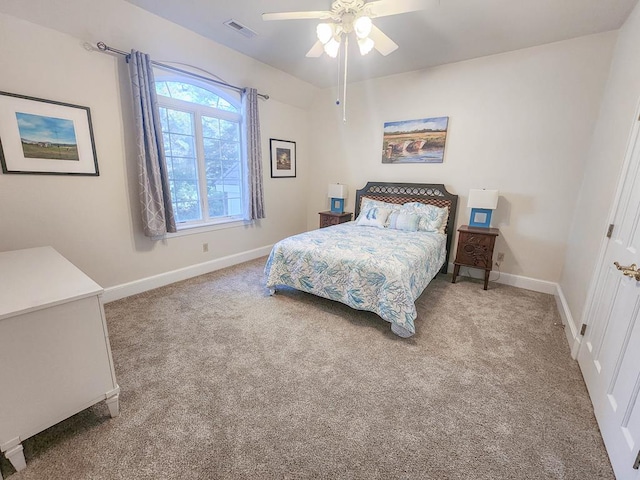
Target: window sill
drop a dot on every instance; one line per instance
(203, 228)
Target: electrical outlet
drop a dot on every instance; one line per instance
(500, 256)
(205, 247)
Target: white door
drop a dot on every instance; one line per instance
(610, 352)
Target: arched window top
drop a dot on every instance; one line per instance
(188, 92)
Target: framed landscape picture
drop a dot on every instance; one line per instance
(45, 137)
(415, 141)
(283, 158)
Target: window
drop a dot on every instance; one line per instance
(203, 147)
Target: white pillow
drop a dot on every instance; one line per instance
(403, 221)
(373, 217)
(368, 202)
(432, 218)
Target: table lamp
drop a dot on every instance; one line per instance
(482, 204)
(337, 194)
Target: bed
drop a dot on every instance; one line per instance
(373, 263)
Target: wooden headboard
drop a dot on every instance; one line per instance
(429, 193)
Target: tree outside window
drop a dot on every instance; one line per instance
(203, 147)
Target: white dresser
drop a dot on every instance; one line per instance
(55, 358)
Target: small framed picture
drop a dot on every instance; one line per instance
(283, 158)
(40, 136)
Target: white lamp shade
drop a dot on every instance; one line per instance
(362, 27)
(365, 45)
(338, 191)
(331, 47)
(483, 199)
(324, 32)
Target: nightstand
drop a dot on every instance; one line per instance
(331, 218)
(475, 249)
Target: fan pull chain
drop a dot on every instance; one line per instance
(344, 91)
(339, 63)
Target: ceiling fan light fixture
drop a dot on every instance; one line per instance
(332, 47)
(365, 45)
(344, 18)
(324, 32)
(362, 26)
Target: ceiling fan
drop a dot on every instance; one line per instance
(344, 18)
(351, 16)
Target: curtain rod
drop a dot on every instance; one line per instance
(105, 48)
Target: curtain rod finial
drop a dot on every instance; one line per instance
(102, 46)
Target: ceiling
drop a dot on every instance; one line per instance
(445, 31)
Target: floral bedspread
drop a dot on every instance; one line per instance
(376, 269)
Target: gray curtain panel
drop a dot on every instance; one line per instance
(255, 204)
(155, 195)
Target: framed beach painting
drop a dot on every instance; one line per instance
(40, 136)
(283, 158)
(415, 141)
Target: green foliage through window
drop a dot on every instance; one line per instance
(202, 143)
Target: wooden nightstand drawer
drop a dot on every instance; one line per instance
(330, 218)
(475, 250)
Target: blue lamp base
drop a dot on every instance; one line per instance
(480, 217)
(337, 205)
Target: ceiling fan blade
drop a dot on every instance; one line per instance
(384, 8)
(295, 15)
(316, 50)
(382, 43)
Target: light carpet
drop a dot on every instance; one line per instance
(221, 381)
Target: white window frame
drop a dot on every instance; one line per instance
(197, 110)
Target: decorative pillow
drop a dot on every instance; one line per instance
(432, 218)
(368, 202)
(403, 221)
(373, 217)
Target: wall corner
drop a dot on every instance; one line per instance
(570, 328)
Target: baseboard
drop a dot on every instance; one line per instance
(527, 283)
(570, 328)
(149, 283)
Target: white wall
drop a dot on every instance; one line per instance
(94, 221)
(602, 166)
(520, 122)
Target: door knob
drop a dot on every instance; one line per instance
(630, 271)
